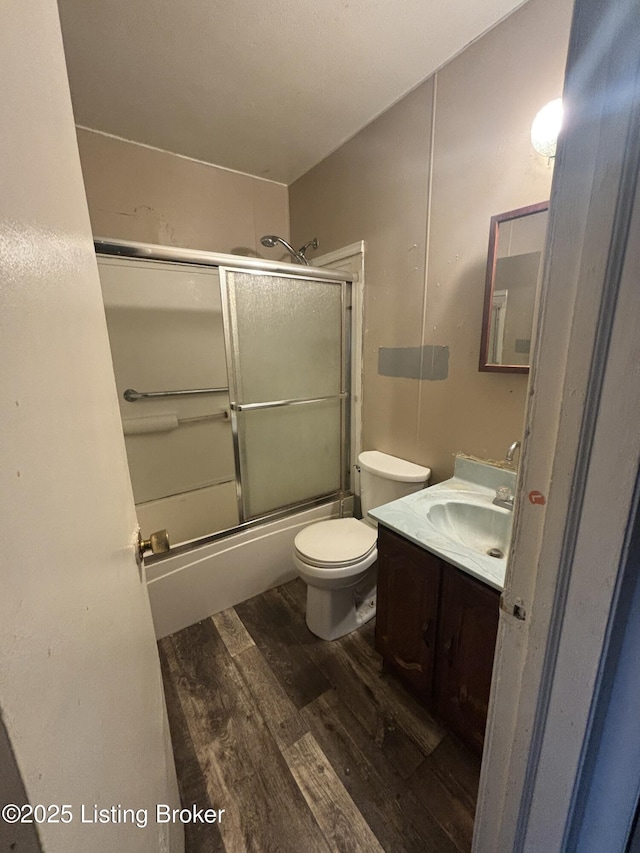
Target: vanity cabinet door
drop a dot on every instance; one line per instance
(407, 608)
(466, 644)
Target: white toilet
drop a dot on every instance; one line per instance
(337, 558)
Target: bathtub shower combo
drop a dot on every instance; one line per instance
(234, 383)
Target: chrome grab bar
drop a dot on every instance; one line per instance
(245, 407)
(131, 396)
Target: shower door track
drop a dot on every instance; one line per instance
(276, 515)
(171, 254)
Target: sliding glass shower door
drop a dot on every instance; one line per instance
(287, 358)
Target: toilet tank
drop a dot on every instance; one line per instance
(385, 478)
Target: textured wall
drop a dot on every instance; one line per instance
(420, 185)
(142, 194)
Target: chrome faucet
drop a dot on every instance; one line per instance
(511, 451)
(504, 498)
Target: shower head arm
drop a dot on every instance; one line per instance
(270, 241)
(312, 244)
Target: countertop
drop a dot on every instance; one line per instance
(473, 482)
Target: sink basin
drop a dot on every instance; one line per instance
(484, 528)
(457, 520)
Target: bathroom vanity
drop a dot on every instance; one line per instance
(442, 556)
(436, 631)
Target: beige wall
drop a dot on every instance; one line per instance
(81, 695)
(142, 194)
(425, 272)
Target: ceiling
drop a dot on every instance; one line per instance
(269, 88)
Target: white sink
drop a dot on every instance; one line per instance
(458, 521)
(484, 528)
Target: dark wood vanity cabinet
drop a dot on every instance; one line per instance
(409, 586)
(467, 628)
(436, 630)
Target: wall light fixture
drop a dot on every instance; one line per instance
(545, 128)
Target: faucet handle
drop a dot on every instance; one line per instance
(504, 497)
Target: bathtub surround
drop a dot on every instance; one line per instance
(420, 185)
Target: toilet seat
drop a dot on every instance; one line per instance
(337, 544)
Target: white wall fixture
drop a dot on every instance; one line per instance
(546, 127)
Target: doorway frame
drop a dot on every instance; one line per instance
(575, 527)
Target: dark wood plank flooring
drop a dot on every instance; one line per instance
(307, 745)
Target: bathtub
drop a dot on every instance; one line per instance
(194, 584)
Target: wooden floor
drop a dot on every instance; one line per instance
(307, 745)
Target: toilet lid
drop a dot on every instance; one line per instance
(339, 541)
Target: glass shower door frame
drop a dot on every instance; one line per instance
(344, 396)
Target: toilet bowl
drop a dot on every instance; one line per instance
(337, 559)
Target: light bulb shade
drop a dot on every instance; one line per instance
(546, 127)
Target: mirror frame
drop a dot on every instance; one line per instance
(494, 231)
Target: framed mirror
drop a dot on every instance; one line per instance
(514, 265)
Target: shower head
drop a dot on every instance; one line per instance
(271, 240)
